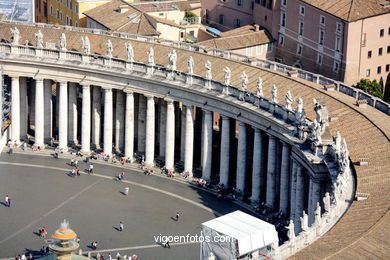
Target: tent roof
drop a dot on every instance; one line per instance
(250, 232)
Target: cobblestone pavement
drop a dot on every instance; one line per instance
(43, 194)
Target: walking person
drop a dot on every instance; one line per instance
(127, 191)
(167, 244)
(90, 170)
(120, 226)
(177, 216)
(6, 200)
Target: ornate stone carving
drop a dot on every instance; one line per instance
(291, 231)
(15, 35)
(172, 59)
(151, 57)
(209, 75)
(300, 117)
(344, 156)
(244, 81)
(326, 201)
(109, 49)
(289, 99)
(337, 143)
(304, 222)
(39, 38)
(129, 52)
(86, 45)
(321, 114)
(259, 88)
(317, 216)
(274, 94)
(227, 76)
(63, 42)
(316, 133)
(190, 65)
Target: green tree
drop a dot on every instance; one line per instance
(370, 87)
(386, 96)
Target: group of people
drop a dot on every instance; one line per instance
(168, 173)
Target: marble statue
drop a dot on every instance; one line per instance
(259, 87)
(63, 42)
(288, 98)
(39, 39)
(172, 59)
(321, 114)
(316, 132)
(317, 215)
(209, 75)
(291, 231)
(304, 222)
(16, 36)
(344, 156)
(190, 65)
(244, 81)
(129, 52)
(300, 113)
(109, 49)
(86, 45)
(227, 76)
(274, 93)
(151, 57)
(337, 142)
(326, 201)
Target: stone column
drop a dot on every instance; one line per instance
(86, 120)
(241, 158)
(314, 197)
(48, 110)
(141, 123)
(149, 141)
(225, 149)
(163, 127)
(96, 114)
(107, 142)
(63, 116)
(293, 185)
(207, 144)
(271, 168)
(119, 121)
(129, 126)
(170, 135)
(23, 107)
(72, 113)
(15, 110)
(39, 113)
(299, 198)
(285, 178)
(257, 165)
(189, 139)
(183, 132)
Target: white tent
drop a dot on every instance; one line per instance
(247, 234)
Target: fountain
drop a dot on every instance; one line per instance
(64, 240)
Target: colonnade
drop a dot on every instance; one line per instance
(265, 170)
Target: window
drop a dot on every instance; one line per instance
(269, 4)
(239, 2)
(338, 44)
(70, 5)
(67, 20)
(76, 24)
(379, 70)
(321, 37)
(281, 40)
(70, 22)
(369, 54)
(299, 49)
(389, 31)
(284, 2)
(61, 15)
(336, 66)
(263, 2)
(51, 10)
(319, 59)
(57, 14)
(283, 18)
(45, 9)
(237, 23)
(259, 49)
(300, 28)
(322, 20)
(269, 47)
(77, 8)
(339, 27)
(368, 72)
(387, 67)
(248, 51)
(388, 49)
(161, 14)
(67, 3)
(301, 10)
(222, 19)
(380, 51)
(252, 5)
(181, 34)
(381, 33)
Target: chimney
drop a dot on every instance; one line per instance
(123, 9)
(257, 27)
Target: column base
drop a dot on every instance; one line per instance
(149, 165)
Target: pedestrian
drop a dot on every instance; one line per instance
(24, 146)
(177, 216)
(6, 200)
(94, 245)
(72, 162)
(120, 226)
(109, 257)
(76, 163)
(42, 251)
(9, 202)
(10, 151)
(127, 191)
(90, 168)
(167, 244)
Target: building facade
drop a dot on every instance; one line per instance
(63, 12)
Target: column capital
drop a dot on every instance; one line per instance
(224, 117)
(240, 123)
(107, 89)
(257, 130)
(207, 111)
(149, 96)
(63, 83)
(285, 144)
(85, 86)
(169, 100)
(128, 91)
(271, 136)
(39, 79)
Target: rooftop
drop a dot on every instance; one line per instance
(245, 36)
(352, 10)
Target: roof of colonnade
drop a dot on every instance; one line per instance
(367, 131)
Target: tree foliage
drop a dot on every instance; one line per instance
(386, 96)
(370, 87)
